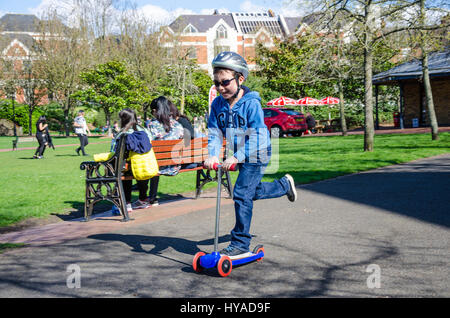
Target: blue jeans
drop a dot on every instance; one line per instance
(248, 188)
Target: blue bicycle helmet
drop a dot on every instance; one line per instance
(232, 61)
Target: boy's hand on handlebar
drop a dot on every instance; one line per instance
(229, 163)
(209, 163)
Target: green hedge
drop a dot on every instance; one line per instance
(21, 114)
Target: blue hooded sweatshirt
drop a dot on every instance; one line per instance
(248, 138)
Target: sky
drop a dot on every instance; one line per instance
(170, 8)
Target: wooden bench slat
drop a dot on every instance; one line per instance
(178, 146)
(178, 161)
(158, 149)
(182, 154)
(176, 141)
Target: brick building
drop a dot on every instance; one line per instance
(204, 36)
(18, 36)
(408, 76)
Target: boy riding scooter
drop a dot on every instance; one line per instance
(237, 114)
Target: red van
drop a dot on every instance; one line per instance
(282, 121)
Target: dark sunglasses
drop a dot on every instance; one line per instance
(224, 83)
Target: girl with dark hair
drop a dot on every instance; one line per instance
(128, 120)
(129, 125)
(162, 127)
(41, 136)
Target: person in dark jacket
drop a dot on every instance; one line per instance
(42, 137)
(138, 140)
(310, 122)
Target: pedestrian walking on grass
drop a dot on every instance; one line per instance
(82, 131)
(42, 137)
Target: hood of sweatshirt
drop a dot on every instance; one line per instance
(248, 105)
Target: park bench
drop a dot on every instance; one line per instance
(22, 139)
(104, 179)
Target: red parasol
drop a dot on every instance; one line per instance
(330, 100)
(282, 101)
(308, 101)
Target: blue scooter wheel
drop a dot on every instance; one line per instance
(196, 262)
(224, 266)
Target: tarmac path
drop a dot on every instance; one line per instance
(381, 233)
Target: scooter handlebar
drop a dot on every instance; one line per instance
(217, 165)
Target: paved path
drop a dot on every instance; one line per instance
(393, 221)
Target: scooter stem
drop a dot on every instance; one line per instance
(219, 192)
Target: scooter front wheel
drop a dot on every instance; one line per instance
(196, 262)
(224, 266)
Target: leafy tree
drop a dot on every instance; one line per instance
(110, 88)
(425, 37)
(33, 87)
(256, 82)
(283, 66)
(197, 104)
(63, 53)
(372, 22)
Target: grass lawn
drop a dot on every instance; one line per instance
(6, 142)
(55, 184)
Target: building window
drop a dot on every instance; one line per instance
(220, 49)
(190, 29)
(221, 32)
(27, 66)
(169, 51)
(192, 53)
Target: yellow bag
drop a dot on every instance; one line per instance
(103, 156)
(144, 166)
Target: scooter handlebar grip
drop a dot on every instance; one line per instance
(217, 165)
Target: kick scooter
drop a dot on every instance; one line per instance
(223, 263)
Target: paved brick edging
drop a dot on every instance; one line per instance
(56, 233)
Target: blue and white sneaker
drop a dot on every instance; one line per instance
(292, 192)
(234, 252)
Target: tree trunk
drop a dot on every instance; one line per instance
(426, 78)
(183, 92)
(342, 109)
(67, 123)
(429, 97)
(30, 120)
(368, 94)
(108, 122)
(368, 101)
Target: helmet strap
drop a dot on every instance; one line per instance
(236, 77)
